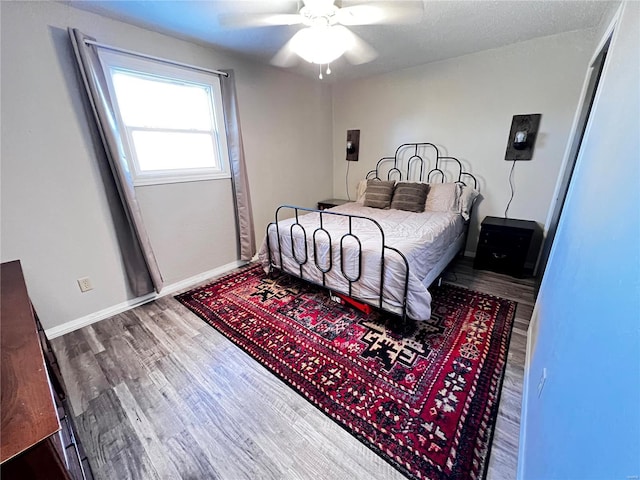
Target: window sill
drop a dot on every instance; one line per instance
(156, 180)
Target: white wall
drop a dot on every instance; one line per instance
(465, 105)
(55, 216)
(586, 422)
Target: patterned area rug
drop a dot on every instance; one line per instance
(425, 400)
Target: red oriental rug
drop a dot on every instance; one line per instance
(425, 400)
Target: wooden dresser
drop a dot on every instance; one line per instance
(37, 439)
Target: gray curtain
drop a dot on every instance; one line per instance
(240, 180)
(140, 262)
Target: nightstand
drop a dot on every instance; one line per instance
(504, 245)
(330, 203)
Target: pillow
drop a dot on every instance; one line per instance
(360, 190)
(467, 198)
(378, 193)
(410, 197)
(443, 197)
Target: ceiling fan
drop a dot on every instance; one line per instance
(325, 36)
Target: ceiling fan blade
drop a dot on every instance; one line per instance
(258, 20)
(359, 51)
(285, 57)
(389, 12)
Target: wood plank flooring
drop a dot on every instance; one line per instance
(159, 394)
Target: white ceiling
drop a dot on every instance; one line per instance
(448, 28)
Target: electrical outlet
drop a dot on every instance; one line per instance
(543, 378)
(85, 284)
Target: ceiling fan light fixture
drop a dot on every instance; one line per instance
(361, 15)
(323, 10)
(321, 44)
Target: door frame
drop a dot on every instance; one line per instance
(528, 382)
(578, 128)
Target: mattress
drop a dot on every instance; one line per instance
(423, 238)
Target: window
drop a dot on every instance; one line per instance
(170, 120)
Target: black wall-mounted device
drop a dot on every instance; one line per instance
(522, 137)
(353, 145)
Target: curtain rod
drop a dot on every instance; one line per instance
(151, 57)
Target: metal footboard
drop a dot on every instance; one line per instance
(302, 257)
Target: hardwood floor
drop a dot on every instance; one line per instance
(159, 394)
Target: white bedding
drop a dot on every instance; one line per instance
(424, 238)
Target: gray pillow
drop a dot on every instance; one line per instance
(410, 197)
(379, 193)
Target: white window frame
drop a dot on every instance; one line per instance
(113, 61)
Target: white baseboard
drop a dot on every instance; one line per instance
(78, 323)
(201, 277)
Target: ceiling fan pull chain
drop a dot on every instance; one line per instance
(328, 69)
(320, 76)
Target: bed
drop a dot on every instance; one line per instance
(384, 257)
